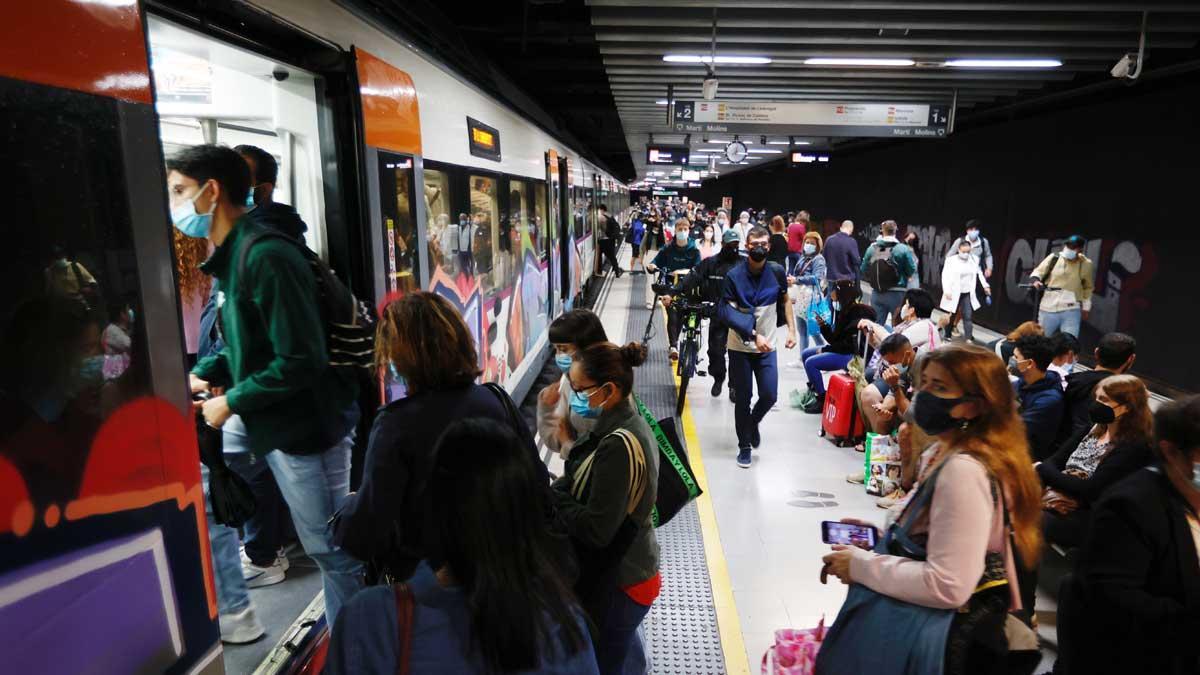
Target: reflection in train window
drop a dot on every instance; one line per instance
(520, 233)
(541, 224)
(399, 226)
(481, 228)
(441, 227)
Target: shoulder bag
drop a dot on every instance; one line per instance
(677, 484)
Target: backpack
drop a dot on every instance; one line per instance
(884, 273)
(349, 322)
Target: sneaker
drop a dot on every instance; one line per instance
(257, 577)
(241, 628)
(857, 478)
(716, 388)
(280, 558)
(795, 364)
(743, 458)
(755, 437)
(890, 500)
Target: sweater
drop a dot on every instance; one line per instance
(274, 364)
(1120, 461)
(673, 257)
(842, 258)
(842, 336)
(1042, 412)
(753, 304)
(795, 237)
(1075, 280)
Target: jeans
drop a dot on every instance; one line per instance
(314, 487)
(743, 367)
(966, 312)
(802, 332)
(718, 339)
(619, 649)
(232, 595)
(1067, 321)
(885, 304)
(817, 362)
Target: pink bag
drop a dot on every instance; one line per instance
(795, 651)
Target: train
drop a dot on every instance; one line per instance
(408, 177)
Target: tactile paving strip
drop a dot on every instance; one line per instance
(681, 628)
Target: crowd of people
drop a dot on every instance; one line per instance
(459, 553)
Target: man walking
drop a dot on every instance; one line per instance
(753, 306)
(981, 248)
(842, 259)
(610, 236)
(709, 279)
(887, 266)
(1068, 279)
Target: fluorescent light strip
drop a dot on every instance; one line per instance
(889, 63)
(764, 151)
(696, 58)
(1003, 63)
(661, 101)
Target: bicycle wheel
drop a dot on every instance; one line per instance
(687, 368)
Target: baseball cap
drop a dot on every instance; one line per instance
(730, 235)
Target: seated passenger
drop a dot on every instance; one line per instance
(1004, 346)
(1066, 354)
(955, 547)
(428, 347)
(558, 425)
(496, 601)
(1132, 604)
(1039, 393)
(1114, 355)
(914, 324)
(886, 399)
(842, 337)
(605, 500)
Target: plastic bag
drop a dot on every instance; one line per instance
(819, 306)
(882, 475)
(794, 651)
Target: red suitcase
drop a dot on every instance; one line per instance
(840, 420)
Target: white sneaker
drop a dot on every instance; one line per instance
(240, 628)
(856, 478)
(795, 364)
(257, 577)
(280, 557)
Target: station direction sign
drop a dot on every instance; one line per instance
(814, 118)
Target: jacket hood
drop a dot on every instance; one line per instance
(1051, 381)
(281, 217)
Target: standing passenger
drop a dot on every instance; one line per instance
(842, 258)
(558, 425)
(887, 266)
(981, 249)
(958, 290)
(778, 249)
(755, 295)
(1068, 278)
(807, 277)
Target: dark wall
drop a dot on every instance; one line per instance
(1122, 172)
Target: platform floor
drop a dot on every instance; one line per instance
(760, 526)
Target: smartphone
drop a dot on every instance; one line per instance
(847, 534)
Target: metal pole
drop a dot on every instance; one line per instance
(670, 106)
(953, 111)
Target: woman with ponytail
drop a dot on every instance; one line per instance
(605, 500)
(951, 548)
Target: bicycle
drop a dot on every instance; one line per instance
(692, 313)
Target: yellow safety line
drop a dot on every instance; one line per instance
(728, 624)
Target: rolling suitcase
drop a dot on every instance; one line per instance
(840, 421)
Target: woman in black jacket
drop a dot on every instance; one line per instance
(1118, 445)
(423, 341)
(1133, 602)
(842, 338)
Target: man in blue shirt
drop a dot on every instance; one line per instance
(842, 258)
(681, 256)
(753, 306)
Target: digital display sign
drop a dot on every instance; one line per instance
(689, 175)
(484, 140)
(667, 154)
(796, 157)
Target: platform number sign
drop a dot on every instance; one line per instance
(685, 113)
(939, 116)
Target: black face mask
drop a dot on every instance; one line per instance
(932, 413)
(729, 253)
(758, 253)
(1100, 413)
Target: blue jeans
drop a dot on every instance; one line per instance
(885, 304)
(232, 595)
(744, 366)
(817, 362)
(802, 331)
(619, 649)
(1067, 321)
(314, 487)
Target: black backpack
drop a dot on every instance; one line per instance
(884, 273)
(349, 322)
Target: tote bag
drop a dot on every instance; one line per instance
(677, 484)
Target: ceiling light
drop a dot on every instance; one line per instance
(696, 58)
(838, 61)
(661, 101)
(764, 151)
(1003, 63)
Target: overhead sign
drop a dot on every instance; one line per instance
(814, 118)
(666, 193)
(484, 140)
(689, 175)
(667, 154)
(799, 157)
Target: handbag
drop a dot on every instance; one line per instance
(677, 484)
(818, 306)
(794, 651)
(1057, 502)
(232, 499)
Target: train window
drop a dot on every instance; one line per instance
(446, 247)
(518, 234)
(482, 230)
(541, 224)
(577, 210)
(399, 224)
(589, 211)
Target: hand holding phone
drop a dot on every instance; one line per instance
(848, 534)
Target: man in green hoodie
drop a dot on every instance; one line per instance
(273, 372)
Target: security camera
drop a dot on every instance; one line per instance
(280, 74)
(1125, 66)
(710, 88)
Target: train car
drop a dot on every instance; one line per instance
(407, 177)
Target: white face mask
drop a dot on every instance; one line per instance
(1069, 253)
(681, 238)
(964, 256)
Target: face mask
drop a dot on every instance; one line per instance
(563, 361)
(1070, 253)
(758, 253)
(901, 368)
(681, 238)
(190, 223)
(905, 311)
(932, 413)
(723, 222)
(1099, 413)
(973, 235)
(729, 253)
(810, 249)
(581, 405)
(964, 256)
(1067, 368)
(250, 197)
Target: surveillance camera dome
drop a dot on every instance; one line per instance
(280, 74)
(1124, 66)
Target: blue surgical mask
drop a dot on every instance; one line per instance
(810, 249)
(189, 222)
(901, 368)
(973, 235)
(563, 361)
(581, 405)
(1070, 253)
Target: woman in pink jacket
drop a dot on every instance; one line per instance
(977, 469)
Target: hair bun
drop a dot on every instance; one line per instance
(633, 354)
